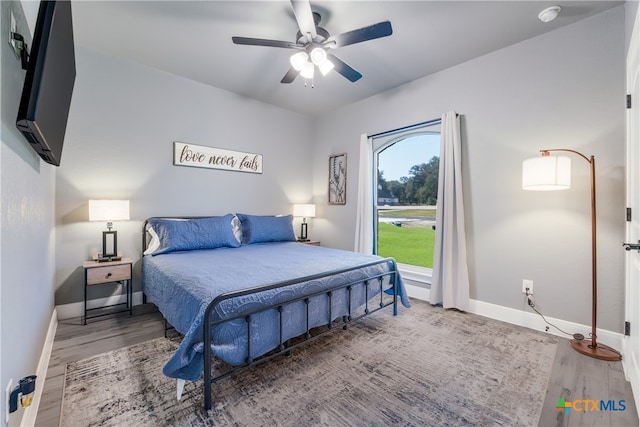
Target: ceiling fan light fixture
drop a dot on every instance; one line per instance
(299, 60)
(318, 56)
(325, 67)
(312, 44)
(308, 70)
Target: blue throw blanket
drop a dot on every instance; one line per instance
(182, 284)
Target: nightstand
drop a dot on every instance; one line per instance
(99, 273)
(311, 242)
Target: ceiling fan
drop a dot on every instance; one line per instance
(314, 43)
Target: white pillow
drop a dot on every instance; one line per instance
(236, 226)
(154, 243)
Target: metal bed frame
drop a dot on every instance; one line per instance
(311, 334)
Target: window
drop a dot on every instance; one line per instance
(407, 190)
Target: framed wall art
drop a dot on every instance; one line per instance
(199, 156)
(338, 179)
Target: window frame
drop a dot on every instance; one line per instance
(379, 143)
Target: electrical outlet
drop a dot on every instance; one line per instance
(527, 284)
(6, 401)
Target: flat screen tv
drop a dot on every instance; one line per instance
(48, 85)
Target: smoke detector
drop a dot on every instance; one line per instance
(549, 14)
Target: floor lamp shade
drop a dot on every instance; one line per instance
(546, 173)
(109, 210)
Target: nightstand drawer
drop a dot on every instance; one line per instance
(108, 273)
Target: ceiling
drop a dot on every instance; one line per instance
(193, 39)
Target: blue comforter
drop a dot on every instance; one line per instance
(182, 284)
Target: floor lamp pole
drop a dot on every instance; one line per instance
(591, 347)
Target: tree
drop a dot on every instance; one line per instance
(421, 187)
(382, 183)
(396, 188)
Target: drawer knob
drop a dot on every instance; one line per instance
(107, 276)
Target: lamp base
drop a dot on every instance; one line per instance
(600, 351)
(109, 259)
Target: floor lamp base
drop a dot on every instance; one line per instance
(601, 351)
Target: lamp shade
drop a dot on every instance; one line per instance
(318, 56)
(546, 173)
(108, 210)
(325, 67)
(308, 70)
(298, 60)
(305, 210)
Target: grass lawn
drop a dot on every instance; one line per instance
(408, 245)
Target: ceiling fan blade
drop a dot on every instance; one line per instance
(375, 31)
(290, 76)
(342, 68)
(264, 42)
(304, 17)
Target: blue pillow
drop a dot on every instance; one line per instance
(192, 234)
(263, 229)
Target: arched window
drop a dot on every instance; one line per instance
(406, 165)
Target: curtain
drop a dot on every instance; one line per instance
(450, 282)
(364, 211)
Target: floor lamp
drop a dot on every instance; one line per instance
(548, 173)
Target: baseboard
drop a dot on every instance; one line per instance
(417, 292)
(527, 319)
(532, 320)
(31, 412)
(76, 309)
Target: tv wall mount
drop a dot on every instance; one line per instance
(20, 49)
(18, 45)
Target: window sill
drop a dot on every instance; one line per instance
(419, 275)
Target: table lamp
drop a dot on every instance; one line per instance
(109, 210)
(305, 211)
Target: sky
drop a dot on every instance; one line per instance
(396, 160)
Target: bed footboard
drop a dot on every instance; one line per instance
(371, 305)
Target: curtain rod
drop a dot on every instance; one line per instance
(414, 126)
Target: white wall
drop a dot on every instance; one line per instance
(27, 187)
(631, 9)
(123, 121)
(561, 89)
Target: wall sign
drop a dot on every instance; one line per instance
(215, 158)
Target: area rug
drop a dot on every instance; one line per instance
(426, 366)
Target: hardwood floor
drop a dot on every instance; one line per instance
(574, 376)
(74, 341)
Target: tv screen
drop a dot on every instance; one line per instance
(48, 85)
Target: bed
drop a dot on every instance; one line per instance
(259, 292)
